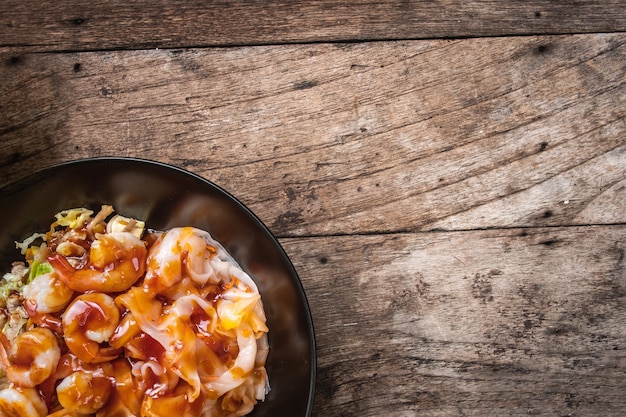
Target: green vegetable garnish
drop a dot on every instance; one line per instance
(38, 268)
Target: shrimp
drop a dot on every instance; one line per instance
(22, 402)
(84, 392)
(88, 321)
(32, 357)
(116, 261)
(46, 294)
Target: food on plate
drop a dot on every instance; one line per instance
(106, 318)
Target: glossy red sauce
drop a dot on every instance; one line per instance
(139, 347)
(88, 314)
(150, 348)
(46, 320)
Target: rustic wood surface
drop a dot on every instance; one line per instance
(86, 25)
(449, 180)
(512, 322)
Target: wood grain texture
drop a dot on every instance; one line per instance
(512, 322)
(347, 138)
(117, 24)
(448, 178)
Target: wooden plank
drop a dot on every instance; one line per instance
(348, 138)
(485, 323)
(117, 24)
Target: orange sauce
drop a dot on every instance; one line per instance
(120, 375)
(88, 314)
(150, 348)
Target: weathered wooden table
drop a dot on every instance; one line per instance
(448, 178)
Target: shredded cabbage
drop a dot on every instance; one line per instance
(72, 218)
(39, 268)
(26, 243)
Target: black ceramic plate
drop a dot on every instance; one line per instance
(164, 197)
